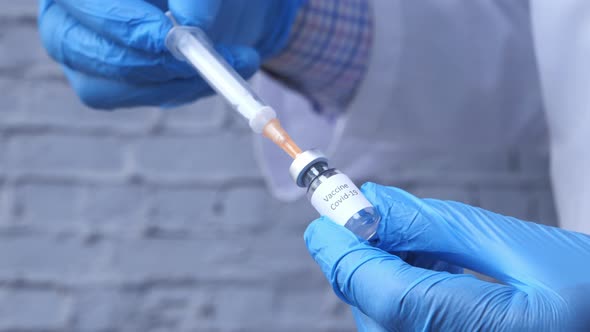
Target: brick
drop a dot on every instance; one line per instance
(2, 155)
(182, 208)
(54, 154)
(40, 257)
(257, 308)
(178, 258)
(27, 309)
(19, 8)
(206, 114)
(292, 216)
(169, 309)
(320, 307)
(119, 205)
(6, 216)
(220, 157)
(282, 256)
(15, 61)
(241, 209)
(222, 308)
(48, 205)
(514, 203)
(103, 309)
(12, 100)
(237, 307)
(210, 256)
(247, 207)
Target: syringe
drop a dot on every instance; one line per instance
(332, 193)
(192, 45)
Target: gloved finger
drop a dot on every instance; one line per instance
(134, 23)
(395, 294)
(200, 13)
(365, 323)
(76, 46)
(463, 235)
(103, 93)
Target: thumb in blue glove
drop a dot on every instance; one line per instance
(546, 281)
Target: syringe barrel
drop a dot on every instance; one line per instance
(192, 45)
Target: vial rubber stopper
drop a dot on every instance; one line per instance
(303, 162)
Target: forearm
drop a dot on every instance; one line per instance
(328, 51)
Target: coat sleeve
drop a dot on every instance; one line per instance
(487, 69)
(562, 40)
(451, 66)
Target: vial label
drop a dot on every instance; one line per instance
(338, 198)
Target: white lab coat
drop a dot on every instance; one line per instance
(562, 39)
(454, 86)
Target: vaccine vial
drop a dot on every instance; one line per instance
(334, 195)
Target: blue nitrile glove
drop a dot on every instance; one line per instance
(545, 271)
(114, 54)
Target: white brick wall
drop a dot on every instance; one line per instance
(118, 222)
(48, 307)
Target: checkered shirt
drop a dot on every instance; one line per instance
(328, 51)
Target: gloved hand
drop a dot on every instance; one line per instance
(545, 271)
(114, 55)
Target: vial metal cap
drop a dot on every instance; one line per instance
(303, 162)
